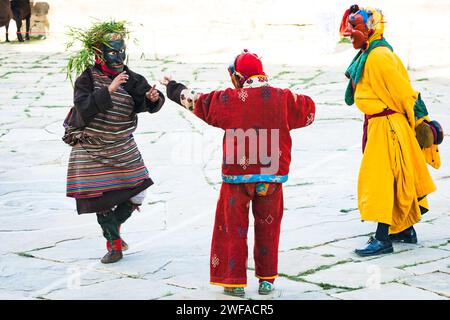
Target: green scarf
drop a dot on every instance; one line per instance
(355, 70)
(420, 109)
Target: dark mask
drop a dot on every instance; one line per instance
(114, 55)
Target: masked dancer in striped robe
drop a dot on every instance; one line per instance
(106, 172)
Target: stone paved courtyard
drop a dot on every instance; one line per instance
(47, 251)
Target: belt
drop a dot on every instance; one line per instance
(386, 112)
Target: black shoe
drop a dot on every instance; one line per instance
(375, 247)
(407, 236)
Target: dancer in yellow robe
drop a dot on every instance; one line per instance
(393, 180)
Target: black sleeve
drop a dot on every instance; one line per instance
(88, 101)
(174, 91)
(137, 86)
(153, 107)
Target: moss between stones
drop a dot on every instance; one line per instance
(441, 245)
(322, 267)
(26, 255)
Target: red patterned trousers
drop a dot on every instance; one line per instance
(229, 249)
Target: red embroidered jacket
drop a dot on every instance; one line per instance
(257, 122)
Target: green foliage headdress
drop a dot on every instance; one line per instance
(92, 39)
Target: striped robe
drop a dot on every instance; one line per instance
(104, 155)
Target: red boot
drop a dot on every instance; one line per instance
(124, 244)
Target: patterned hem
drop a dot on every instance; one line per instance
(254, 178)
(97, 193)
(266, 278)
(226, 285)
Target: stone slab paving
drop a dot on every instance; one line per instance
(356, 275)
(48, 252)
(435, 281)
(442, 265)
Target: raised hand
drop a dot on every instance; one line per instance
(121, 78)
(166, 80)
(152, 94)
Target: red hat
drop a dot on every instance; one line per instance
(247, 64)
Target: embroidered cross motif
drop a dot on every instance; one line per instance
(206, 101)
(244, 162)
(225, 98)
(269, 219)
(215, 261)
(265, 93)
(309, 119)
(243, 95)
(242, 232)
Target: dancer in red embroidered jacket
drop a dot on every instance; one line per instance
(261, 115)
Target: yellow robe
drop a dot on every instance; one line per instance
(393, 173)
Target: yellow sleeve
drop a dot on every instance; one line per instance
(432, 156)
(390, 82)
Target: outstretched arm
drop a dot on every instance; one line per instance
(180, 94)
(301, 110)
(204, 106)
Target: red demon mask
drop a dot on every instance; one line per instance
(358, 31)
